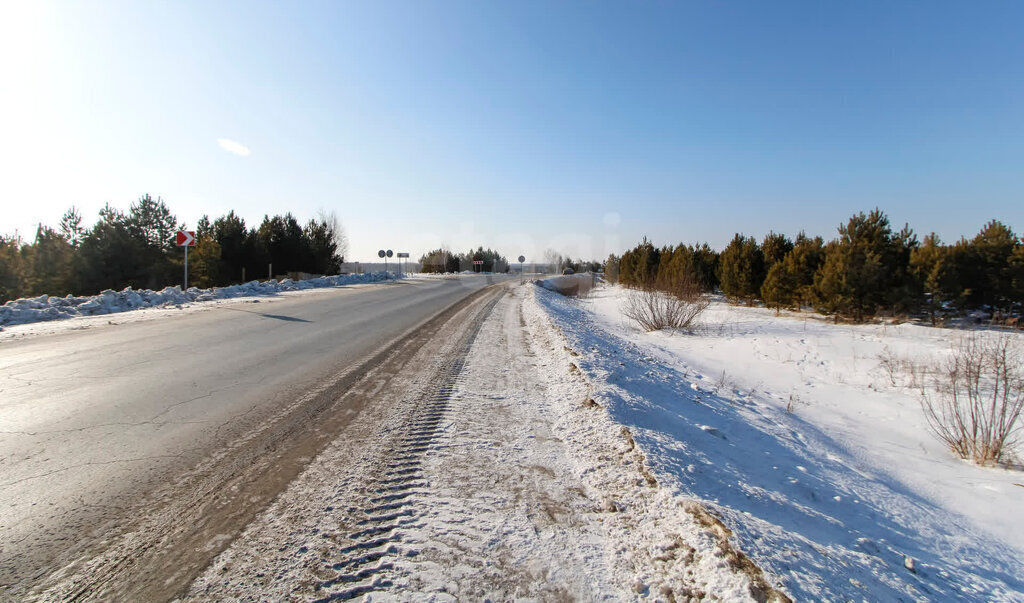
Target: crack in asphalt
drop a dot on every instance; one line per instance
(90, 464)
(150, 421)
(180, 523)
(102, 425)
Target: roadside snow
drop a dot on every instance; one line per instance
(519, 490)
(837, 499)
(46, 308)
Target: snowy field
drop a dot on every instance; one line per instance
(817, 457)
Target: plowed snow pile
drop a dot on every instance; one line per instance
(815, 457)
(45, 307)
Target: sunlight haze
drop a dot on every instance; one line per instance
(521, 126)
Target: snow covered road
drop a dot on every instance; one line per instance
(497, 481)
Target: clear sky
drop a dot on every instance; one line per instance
(578, 126)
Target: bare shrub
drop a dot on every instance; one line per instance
(653, 310)
(978, 398)
(723, 383)
(901, 371)
(890, 365)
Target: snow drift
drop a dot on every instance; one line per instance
(45, 307)
(824, 522)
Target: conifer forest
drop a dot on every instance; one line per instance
(870, 269)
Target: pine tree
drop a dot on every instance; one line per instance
(779, 286)
(1015, 272)
(663, 278)
(866, 268)
(13, 269)
(611, 269)
(904, 291)
(151, 222)
(204, 262)
(203, 227)
(322, 248)
(112, 255)
(237, 249)
(775, 247)
(802, 264)
(989, 259)
(627, 268)
(933, 266)
(639, 266)
(649, 259)
(434, 261)
(154, 222)
(281, 239)
(705, 266)
(741, 269)
(71, 227)
(50, 264)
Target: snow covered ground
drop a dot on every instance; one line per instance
(46, 308)
(813, 454)
(578, 457)
(513, 487)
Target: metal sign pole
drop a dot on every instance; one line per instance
(186, 269)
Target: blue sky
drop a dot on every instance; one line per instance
(578, 126)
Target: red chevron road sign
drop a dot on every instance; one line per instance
(185, 238)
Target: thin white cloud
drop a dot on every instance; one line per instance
(233, 147)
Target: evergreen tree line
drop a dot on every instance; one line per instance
(136, 249)
(868, 270)
(558, 263)
(442, 260)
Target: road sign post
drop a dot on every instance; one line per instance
(186, 239)
(402, 254)
(522, 277)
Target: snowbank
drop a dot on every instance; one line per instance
(570, 284)
(44, 307)
(766, 421)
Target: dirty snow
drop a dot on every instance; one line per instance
(524, 491)
(790, 429)
(46, 308)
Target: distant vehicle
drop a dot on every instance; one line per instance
(568, 271)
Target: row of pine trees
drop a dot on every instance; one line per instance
(869, 269)
(442, 260)
(136, 249)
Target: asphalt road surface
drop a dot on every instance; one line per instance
(92, 420)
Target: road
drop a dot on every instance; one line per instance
(94, 421)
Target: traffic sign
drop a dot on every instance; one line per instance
(381, 253)
(522, 259)
(390, 253)
(185, 238)
(478, 261)
(402, 254)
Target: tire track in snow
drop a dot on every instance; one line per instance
(363, 566)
